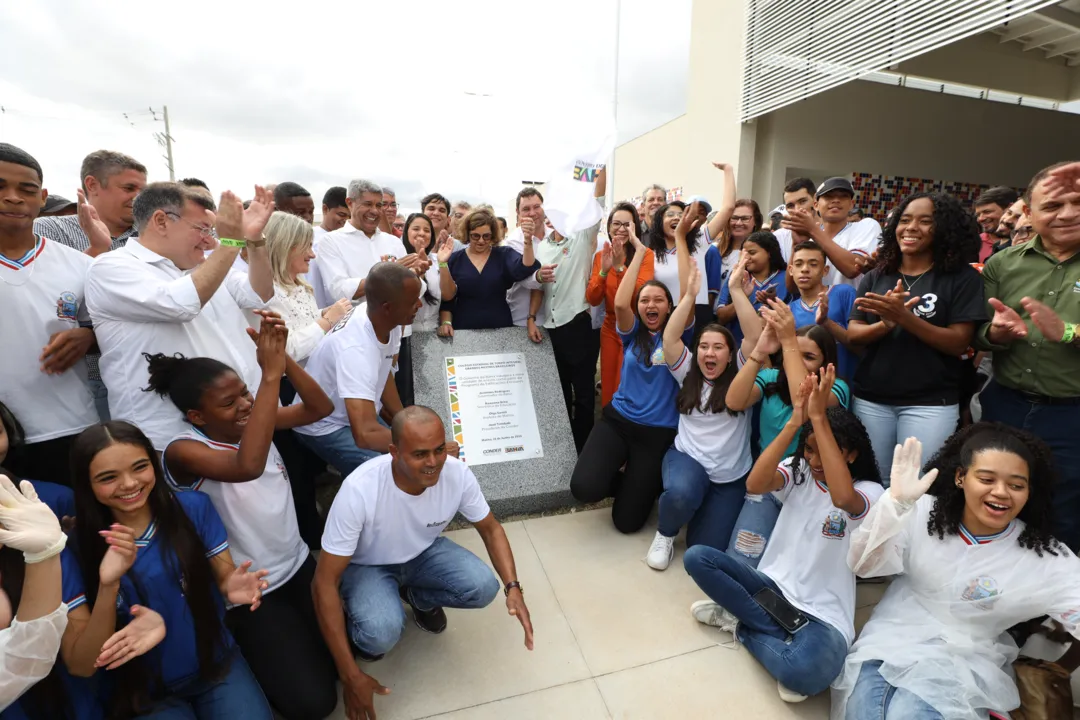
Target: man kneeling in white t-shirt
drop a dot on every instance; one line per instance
(383, 546)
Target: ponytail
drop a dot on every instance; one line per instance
(183, 380)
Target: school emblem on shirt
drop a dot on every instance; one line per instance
(982, 591)
(835, 525)
(67, 308)
(1071, 616)
(658, 356)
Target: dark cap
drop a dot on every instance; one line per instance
(835, 183)
(56, 203)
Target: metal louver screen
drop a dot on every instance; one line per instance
(799, 48)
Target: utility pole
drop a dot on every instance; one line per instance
(165, 140)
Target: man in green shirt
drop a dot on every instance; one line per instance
(1033, 290)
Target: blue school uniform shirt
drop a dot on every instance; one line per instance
(841, 300)
(159, 588)
(82, 699)
(775, 412)
(60, 499)
(714, 267)
(777, 280)
(646, 395)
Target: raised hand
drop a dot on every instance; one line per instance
(120, 555)
(338, 310)
(818, 402)
(452, 448)
(821, 315)
(635, 240)
(721, 165)
(606, 259)
(689, 220)
(1006, 325)
(799, 222)
(618, 253)
(693, 282)
(444, 247)
(768, 343)
(527, 228)
(65, 348)
(27, 524)
(258, 213)
(230, 217)
(739, 281)
(270, 349)
(905, 484)
(410, 261)
(515, 605)
(91, 223)
(245, 587)
(1064, 179)
(778, 315)
(1049, 322)
(144, 632)
(799, 412)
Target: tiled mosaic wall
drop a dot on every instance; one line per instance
(875, 195)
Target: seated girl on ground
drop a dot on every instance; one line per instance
(826, 488)
(704, 473)
(973, 559)
(139, 545)
(228, 454)
(638, 426)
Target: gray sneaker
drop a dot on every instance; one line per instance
(707, 612)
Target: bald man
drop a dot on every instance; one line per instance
(383, 545)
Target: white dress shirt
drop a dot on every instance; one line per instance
(345, 257)
(517, 297)
(141, 302)
(313, 277)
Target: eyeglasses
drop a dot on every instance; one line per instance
(672, 214)
(1022, 233)
(398, 226)
(741, 219)
(477, 236)
(392, 204)
(204, 230)
(620, 225)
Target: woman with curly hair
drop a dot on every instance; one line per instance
(826, 489)
(915, 315)
(972, 558)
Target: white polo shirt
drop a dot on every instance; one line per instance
(350, 364)
(259, 515)
(41, 293)
(807, 551)
(520, 293)
(378, 523)
(564, 299)
(345, 257)
(141, 302)
(859, 238)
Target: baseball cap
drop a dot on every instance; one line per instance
(778, 210)
(701, 200)
(56, 203)
(834, 183)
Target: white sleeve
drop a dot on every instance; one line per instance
(474, 506)
(785, 469)
(336, 283)
(239, 286)
(304, 333)
(119, 289)
(1064, 575)
(431, 278)
(28, 651)
(866, 237)
(357, 376)
(879, 545)
(344, 522)
(681, 368)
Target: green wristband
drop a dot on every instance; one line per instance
(1070, 333)
(603, 273)
(444, 265)
(229, 242)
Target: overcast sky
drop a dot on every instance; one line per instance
(467, 98)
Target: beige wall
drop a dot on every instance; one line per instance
(867, 127)
(655, 157)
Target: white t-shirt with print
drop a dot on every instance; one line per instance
(807, 552)
(859, 238)
(719, 443)
(350, 364)
(377, 523)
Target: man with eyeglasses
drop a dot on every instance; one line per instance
(161, 293)
(390, 210)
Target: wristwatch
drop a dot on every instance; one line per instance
(510, 586)
(531, 317)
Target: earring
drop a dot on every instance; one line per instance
(959, 483)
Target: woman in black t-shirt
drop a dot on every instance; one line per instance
(915, 315)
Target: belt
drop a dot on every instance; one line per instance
(1037, 399)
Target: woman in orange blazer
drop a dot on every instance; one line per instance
(607, 271)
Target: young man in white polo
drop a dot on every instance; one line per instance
(44, 326)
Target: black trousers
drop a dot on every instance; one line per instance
(282, 643)
(614, 441)
(404, 377)
(48, 460)
(576, 361)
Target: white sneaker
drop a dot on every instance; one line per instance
(789, 696)
(660, 552)
(707, 612)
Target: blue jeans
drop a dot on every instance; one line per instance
(237, 695)
(890, 425)
(875, 699)
(806, 662)
(444, 575)
(753, 528)
(1059, 427)
(708, 509)
(339, 449)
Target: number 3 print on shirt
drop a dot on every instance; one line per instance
(928, 307)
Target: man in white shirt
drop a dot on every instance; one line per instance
(162, 294)
(383, 545)
(568, 320)
(437, 208)
(44, 327)
(292, 198)
(529, 206)
(335, 213)
(353, 364)
(848, 246)
(345, 256)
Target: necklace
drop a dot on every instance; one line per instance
(908, 286)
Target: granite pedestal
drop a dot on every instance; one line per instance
(516, 486)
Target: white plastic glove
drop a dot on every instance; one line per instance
(906, 485)
(28, 524)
